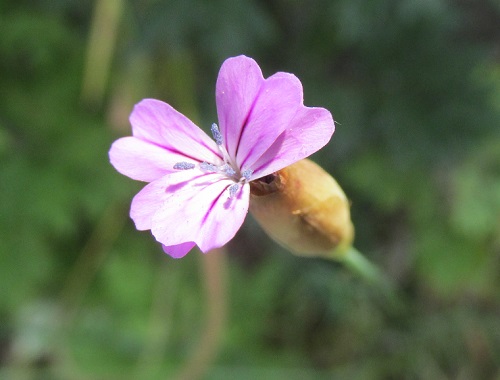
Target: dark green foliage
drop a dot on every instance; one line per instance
(414, 87)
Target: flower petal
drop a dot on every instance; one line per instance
(160, 124)
(201, 211)
(276, 104)
(310, 130)
(253, 111)
(238, 84)
(146, 202)
(180, 250)
(142, 160)
(152, 197)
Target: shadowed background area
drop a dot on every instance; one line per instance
(414, 87)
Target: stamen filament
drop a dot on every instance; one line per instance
(228, 168)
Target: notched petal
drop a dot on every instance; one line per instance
(274, 108)
(238, 84)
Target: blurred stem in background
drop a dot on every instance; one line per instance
(79, 280)
(100, 49)
(214, 275)
(180, 78)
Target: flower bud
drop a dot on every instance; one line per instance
(304, 209)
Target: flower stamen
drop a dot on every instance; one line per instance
(228, 170)
(207, 167)
(220, 144)
(184, 166)
(216, 134)
(233, 189)
(247, 173)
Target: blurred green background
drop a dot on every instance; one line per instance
(414, 86)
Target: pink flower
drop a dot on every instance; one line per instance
(198, 191)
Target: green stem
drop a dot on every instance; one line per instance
(361, 266)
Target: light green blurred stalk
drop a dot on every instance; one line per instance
(359, 265)
(179, 77)
(100, 49)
